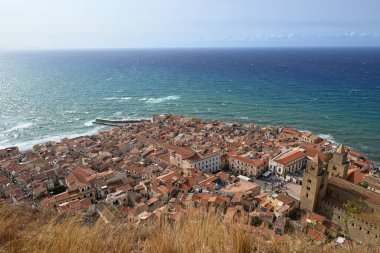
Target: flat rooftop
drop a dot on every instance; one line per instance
(241, 186)
(294, 190)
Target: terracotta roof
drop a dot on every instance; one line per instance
(356, 177)
(179, 150)
(198, 156)
(290, 156)
(61, 196)
(351, 169)
(315, 235)
(254, 162)
(75, 204)
(285, 198)
(315, 216)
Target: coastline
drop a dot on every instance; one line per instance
(269, 87)
(106, 124)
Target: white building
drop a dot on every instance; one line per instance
(187, 158)
(288, 162)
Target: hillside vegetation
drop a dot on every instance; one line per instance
(29, 231)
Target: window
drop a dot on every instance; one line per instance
(307, 195)
(308, 188)
(309, 180)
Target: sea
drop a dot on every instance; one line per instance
(332, 92)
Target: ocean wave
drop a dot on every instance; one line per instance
(162, 99)
(328, 137)
(26, 145)
(18, 127)
(70, 112)
(118, 98)
(142, 99)
(3, 141)
(89, 123)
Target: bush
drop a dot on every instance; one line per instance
(59, 189)
(256, 221)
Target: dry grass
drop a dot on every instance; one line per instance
(27, 231)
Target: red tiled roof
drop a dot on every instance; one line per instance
(315, 216)
(254, 162)
(289, 157)
(315, 235)
(356, 177)
(179, 150)
(285, 198)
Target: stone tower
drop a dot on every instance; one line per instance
(338, 165)
(314, 185)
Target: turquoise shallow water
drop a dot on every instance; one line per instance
(332, 92)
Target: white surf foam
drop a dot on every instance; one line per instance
(328, 137)
(70, 112)
(111, 98)
(162, 99)
(118, 98)
(89, 123)
(29, 144)
(20, 126)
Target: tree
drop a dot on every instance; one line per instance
(327, 160)
(59, 189)
(352, 208)
(256, 221)
(364, 184)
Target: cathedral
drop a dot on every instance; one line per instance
(326, 191)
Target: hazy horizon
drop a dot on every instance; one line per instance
(80, 24)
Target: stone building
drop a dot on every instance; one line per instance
(246, 166)
(338, 165)
(326, 193)
(314, 184)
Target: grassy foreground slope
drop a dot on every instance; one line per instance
(27, 231)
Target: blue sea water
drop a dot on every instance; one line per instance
(46, 95)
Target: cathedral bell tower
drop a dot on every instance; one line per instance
(338, 165)
(314, 185)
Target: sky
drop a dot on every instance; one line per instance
(70, 24)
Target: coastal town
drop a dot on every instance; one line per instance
(275, 178)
